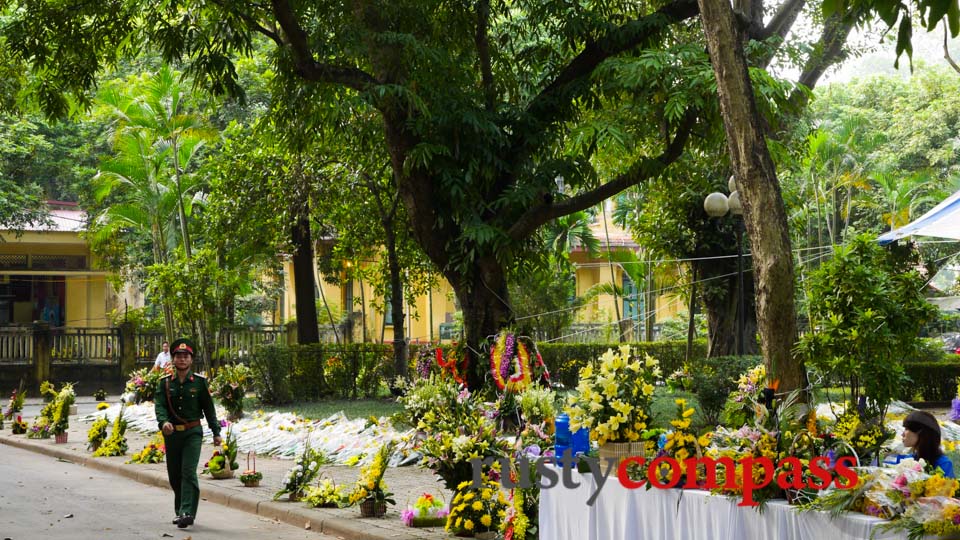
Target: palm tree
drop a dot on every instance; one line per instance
(146, 200)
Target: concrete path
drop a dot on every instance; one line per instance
(407, 483)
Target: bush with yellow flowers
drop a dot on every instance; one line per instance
(613, 399)
(153, 452)
(476, 510)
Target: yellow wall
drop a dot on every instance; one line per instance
(87, 292)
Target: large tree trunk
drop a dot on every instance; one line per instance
(307, 330)
(400, 353)
(483, 299)
(764, 210)
(720, 305)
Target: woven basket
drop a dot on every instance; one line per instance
(621, 451)
(372, 508)
(251, 483)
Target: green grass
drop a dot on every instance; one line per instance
(360, 408)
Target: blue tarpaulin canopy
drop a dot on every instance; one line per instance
(943, 221)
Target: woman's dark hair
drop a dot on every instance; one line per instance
(927, 429)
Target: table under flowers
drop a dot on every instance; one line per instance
(620, 514)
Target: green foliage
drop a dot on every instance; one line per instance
(309, 372)
(271, 366)
(564, 360)
(866, 310)
(930, 381)
(229, 385)
(713, 379)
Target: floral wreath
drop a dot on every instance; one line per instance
(510, 362)
(455, 367)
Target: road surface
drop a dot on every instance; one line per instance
(44, 498)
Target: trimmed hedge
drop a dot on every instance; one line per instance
(321, 370)
(564, 360)
(931, 381)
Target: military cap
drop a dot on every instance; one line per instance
(182, 345)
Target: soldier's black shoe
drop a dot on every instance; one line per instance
(184, 522)
(176, 520)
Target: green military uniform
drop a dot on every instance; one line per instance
(181, 404)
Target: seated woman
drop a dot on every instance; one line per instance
(921, 433)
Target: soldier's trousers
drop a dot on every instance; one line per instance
(183, 455)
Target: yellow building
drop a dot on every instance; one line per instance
(634, 307)
(432, 316)
(47, 274)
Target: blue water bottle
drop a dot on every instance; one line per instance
(562, 435)
(580, 440)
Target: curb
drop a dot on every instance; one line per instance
(297, 517)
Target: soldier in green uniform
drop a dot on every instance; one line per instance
(180, 399)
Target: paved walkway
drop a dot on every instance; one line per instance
(407, 483)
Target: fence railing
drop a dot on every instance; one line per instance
(85, 346)
(16, 345)
(240, 341)
(147, 345)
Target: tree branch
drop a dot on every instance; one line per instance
(308, 68)
(483, 52)
(642, 169)
(557, 95)
(783, 21)
(946, 49)
(252, 22)
(829, 50)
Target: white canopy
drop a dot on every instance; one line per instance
(943, 221)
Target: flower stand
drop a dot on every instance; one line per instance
(61, 438)
(372, 508)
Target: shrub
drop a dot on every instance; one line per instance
(931, 381)
(713, 379)
(271, 366)
(564, 360)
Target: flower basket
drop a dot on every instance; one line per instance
(250, 477)
(295, 496)
(60, 438)
(223, 474)
(320, 479)
(620, 451)
(373, 508)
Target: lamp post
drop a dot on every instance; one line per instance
(718, 205)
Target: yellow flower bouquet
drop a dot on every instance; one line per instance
(477, 510)
(613, 400)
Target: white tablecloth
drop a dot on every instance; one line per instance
(667, 514)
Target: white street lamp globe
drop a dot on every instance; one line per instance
(733, 201)
(732, 184)
(716, 204)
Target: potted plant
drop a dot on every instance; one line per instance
(19, 426)
(371, 491)
(476, 512)
(16, 402)
(326, 494)
(60, 420)
(154, 452)
(100, 395)
(428, 511)
(224, 460)
(613, 401)
(229, 386)
(97, 433)
(251, 477)
(302, 474)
